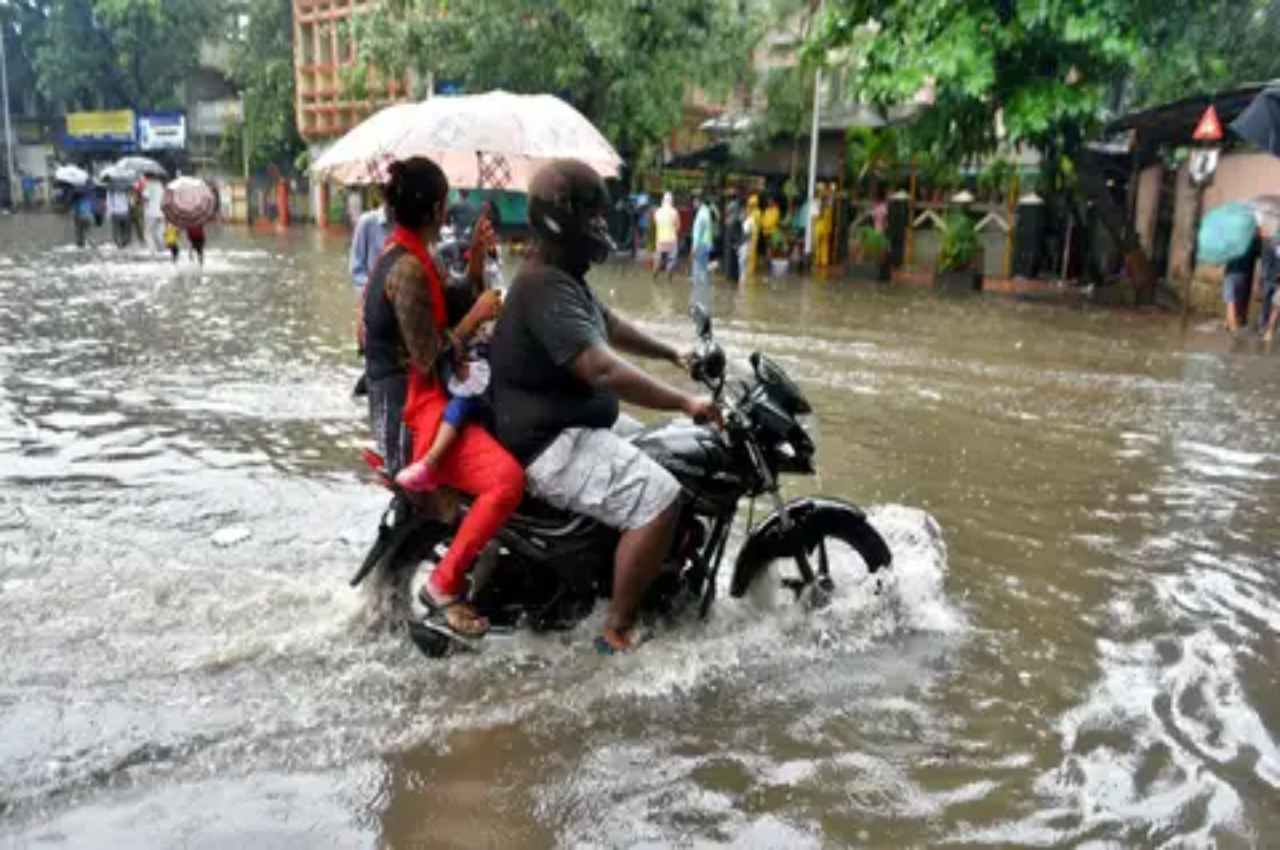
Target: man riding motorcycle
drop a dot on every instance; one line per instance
(558, 380)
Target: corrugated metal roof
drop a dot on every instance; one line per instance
(1173, 123)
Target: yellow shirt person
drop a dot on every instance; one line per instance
(769, 221)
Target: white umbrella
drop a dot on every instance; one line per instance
(71, 175)
(142, 165)
(495, 140)
(116, 174)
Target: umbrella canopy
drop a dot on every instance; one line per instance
(142, 165)
(1260, 121)
(114, 175)
(1226, 233)
(189, 202)
(1267, 208)
(496, 140)
(71, 175)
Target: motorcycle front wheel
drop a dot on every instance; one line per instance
(829, 548)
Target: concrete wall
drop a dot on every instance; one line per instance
(1239, 177)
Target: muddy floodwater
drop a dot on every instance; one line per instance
(1078, 644)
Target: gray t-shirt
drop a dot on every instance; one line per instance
(547, 320)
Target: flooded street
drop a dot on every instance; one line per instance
(1079, 644)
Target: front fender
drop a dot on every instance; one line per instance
(810, 515)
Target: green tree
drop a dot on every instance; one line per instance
(627, 65)
(21, 21)
(1010, 72)
(262, 68)
(117, 53)
(1205, 45)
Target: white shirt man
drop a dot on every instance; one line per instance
(153, 196)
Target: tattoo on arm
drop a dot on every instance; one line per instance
(406, 287)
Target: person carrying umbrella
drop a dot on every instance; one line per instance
(1231, 236)
(118, 210)
(191, 203)
(1237, 284)
(196, 238)
(82, 204)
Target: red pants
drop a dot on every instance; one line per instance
(475, 464)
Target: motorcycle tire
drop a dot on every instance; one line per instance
(815, 523)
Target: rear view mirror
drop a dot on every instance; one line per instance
(701, 321)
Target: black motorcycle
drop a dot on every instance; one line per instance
(547, 568)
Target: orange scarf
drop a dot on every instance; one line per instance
(412, 243)
(424, 405)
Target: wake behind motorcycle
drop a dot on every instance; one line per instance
(546, 568)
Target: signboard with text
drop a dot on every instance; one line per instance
(162, 131)
(113, 128)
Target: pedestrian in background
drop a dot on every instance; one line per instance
(367, 243)
(170, 239)
(643, 220)
(750, 233)
(135, 211)
(1237, 284)
(770, 221)
(732, 236)
(666, 224)
(118, 211)
(152, 214)
(701, 249)
(1269, 269)
(82, 208)
(195, 237)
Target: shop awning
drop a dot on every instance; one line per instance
(1173, 123)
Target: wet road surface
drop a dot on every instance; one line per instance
(1078, 647)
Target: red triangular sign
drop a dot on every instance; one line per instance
(1210, 128)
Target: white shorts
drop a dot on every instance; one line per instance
(596, 473)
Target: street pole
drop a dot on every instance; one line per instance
(8, 133)
(813, 162)
(244, 144)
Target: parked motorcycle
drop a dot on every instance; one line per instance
(547, 568)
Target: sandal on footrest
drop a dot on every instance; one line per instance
(456, 615)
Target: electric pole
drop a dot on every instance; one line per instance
(8, 132)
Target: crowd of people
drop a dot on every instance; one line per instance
(556, 364)
(132, 211)
(737, 232)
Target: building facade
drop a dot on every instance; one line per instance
(323, 51)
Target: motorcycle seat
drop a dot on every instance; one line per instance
(536, 514)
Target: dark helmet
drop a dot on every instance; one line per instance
(567, 206)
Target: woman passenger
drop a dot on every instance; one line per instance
(407, 326)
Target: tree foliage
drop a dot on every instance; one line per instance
(628, 65)
(1043, 71)
(1047, 74)
(262, 68)
(18, 19)
(111, 53)
(1204, 46)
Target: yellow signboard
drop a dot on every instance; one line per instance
(116, 123)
